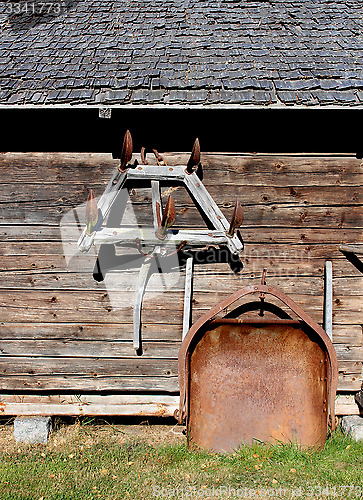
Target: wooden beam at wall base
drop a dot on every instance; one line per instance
(118, 405)
(89, 405)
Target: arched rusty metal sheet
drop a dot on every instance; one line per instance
(284, 388)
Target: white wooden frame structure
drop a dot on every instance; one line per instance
(168, 175)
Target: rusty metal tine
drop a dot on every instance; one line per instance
(263, 277)
(169, 212)
(237, 219)
(159, 158)
(91, 212)
(126, 152)
(194, 159)
(262, 294)
(143, 156)
(168, 219)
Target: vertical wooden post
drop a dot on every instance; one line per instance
(142, 280)
(156, 198)
(328, 299)
(188, 296)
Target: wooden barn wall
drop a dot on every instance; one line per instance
(61, 332)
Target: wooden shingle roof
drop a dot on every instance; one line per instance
(176, 52)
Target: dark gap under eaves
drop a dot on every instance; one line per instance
(220, 130)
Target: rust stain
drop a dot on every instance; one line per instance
(271, 380)
(261, 382)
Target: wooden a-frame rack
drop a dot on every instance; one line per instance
(161, 236)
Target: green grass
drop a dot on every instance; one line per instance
(133, 468)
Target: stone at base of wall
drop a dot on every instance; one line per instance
(352, 425)
(32, 429)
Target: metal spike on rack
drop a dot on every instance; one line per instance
(160, 237)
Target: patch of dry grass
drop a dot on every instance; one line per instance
(94, 460)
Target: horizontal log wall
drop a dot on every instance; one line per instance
(62, 331)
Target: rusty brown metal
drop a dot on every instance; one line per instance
(262, 295)
(143, 156)
(262, 379)
(126, 152)
(194, 159)
(159, 159)
(237, 218)
(168, 219)
(91, 215)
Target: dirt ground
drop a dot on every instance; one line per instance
(90, 432)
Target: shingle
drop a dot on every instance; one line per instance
(239, 96)
(197, 96)
(144, 96)
(176, 96)
(117, 95)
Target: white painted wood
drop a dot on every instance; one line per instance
(328, 302)
(157, 209)
(156, 198)
(188, 292)
(358, 249)
(211, 209)
(158, 172)
(147, 236)
(139, 294)
(166, 173)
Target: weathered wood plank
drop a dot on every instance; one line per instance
(69, 194)
(87, 367)
(350, 375)
(276, 215)
(133, 405)
(42, 274)
(28, 233)
(81, 383)
(344, 335)
(91, 405)
(20, 306)
(349, 335)
(88, 332)
(85, 399)
(256, 168)
(307, 285)
(263, 195)
(346, 405)
(92, 349)
(349, 353)
(298, 250)
(118, 349)
(281, 161)
(281, 259)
